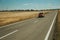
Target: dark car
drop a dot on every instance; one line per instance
(40, 15)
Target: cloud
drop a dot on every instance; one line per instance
(27, 4)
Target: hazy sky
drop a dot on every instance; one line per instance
(29, 4)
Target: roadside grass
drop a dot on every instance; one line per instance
(11, 17)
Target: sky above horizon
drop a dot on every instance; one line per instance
(29, 4)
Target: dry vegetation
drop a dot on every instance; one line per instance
(57, 30)
(11, 17)
(58, 21)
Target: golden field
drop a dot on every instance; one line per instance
(11, 17)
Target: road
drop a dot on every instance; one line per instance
(31, 29)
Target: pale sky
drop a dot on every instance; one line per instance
(29, 4)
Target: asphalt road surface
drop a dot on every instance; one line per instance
(31, 29)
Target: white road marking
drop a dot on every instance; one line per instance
(48, 33)
(8, 34)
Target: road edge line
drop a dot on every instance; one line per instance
(15, 23)
(48, 33)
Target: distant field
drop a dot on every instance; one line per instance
(11, 17)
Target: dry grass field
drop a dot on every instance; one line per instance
(11, 17)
